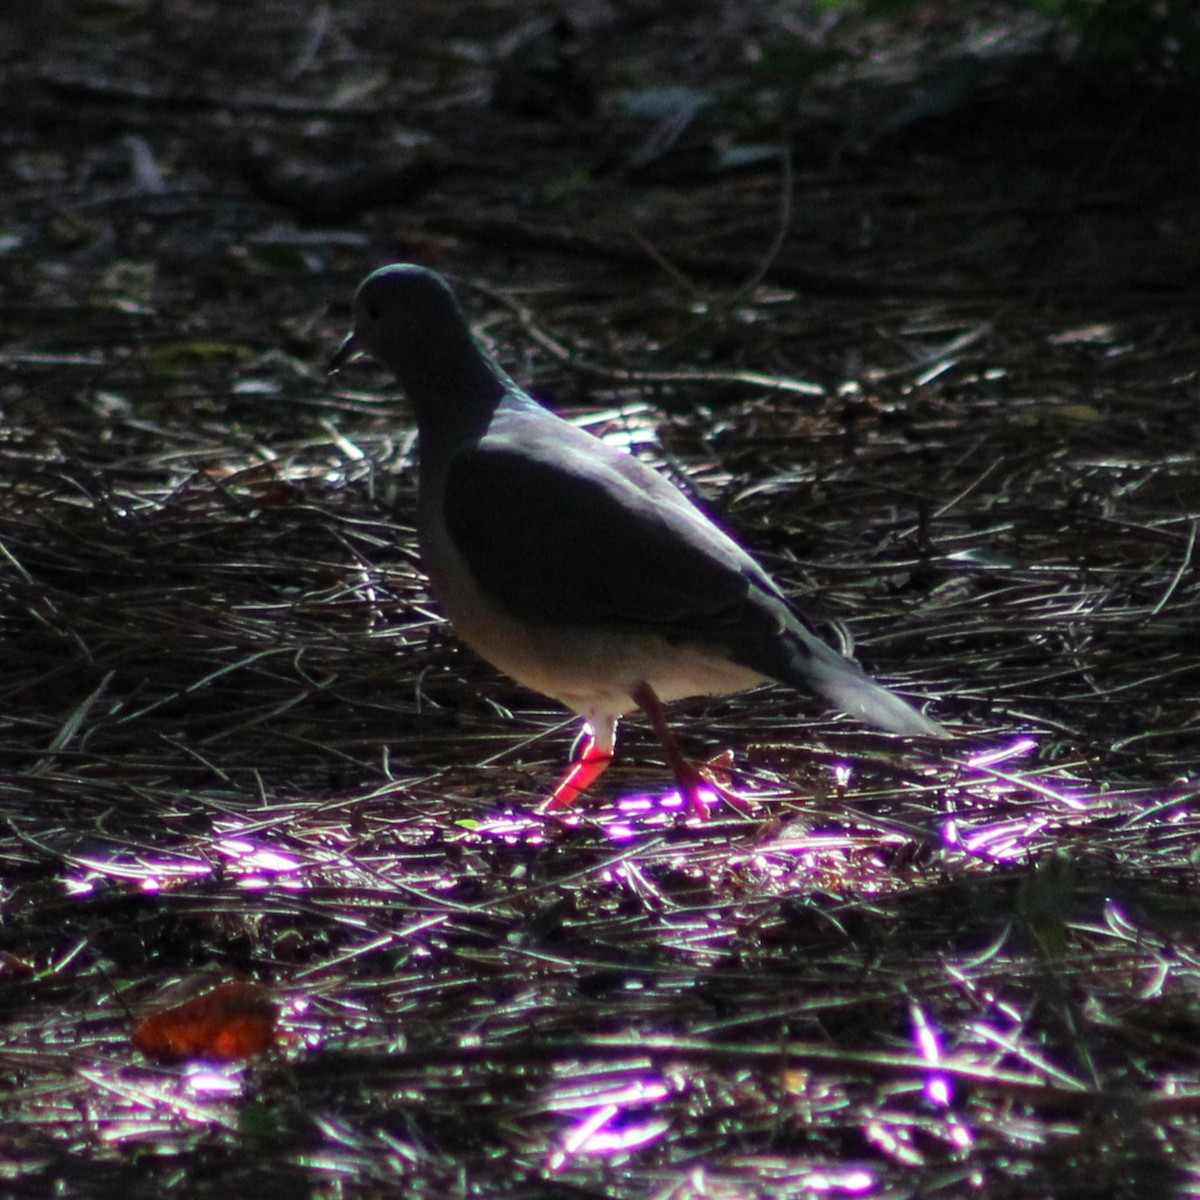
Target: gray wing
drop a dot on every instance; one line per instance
(561, 529)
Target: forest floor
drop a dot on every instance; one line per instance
(911, 307)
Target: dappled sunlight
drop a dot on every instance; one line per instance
(834, 1182)
(903, 300)
(625, 819)
(928, 1043)
(939, 1091)
(989, 808)
(631, 915)
(981, 820)
(611, 1116)
(250, 856)
(145, 1105)
(213, 1081)
(151, 872)
(607, 1118)
(637, 812)
(252, 863)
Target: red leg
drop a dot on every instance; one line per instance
(588, 766)
(689, 777)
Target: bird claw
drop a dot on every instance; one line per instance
(694, 781)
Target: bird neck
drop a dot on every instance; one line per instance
(454, 395)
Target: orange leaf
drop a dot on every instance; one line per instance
(234, 1020)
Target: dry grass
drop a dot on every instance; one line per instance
(237, 742)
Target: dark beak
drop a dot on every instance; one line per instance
(344, 353)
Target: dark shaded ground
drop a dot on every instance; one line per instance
(938, 370)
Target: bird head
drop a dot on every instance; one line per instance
(407, 317)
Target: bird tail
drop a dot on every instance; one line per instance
(843, 684)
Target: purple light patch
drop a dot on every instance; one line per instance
(642, 1091)
(638, 803)
(204, 1079)
(1015, 748)
(845, 1183)
(937, 1086)
(1004, 840)
(614, 1120)
(150, 873)
(515, 829)
(596, 1134)
(1013, 836)
(252, 857)
(654, 808)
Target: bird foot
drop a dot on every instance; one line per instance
(582, 773)
(694, 781)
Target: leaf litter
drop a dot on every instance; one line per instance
(238, 743)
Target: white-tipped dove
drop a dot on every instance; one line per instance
(574, 567)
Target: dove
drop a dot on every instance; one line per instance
(576, 568)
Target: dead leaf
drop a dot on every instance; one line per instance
(234, 1020)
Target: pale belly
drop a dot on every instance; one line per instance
(590, 671)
